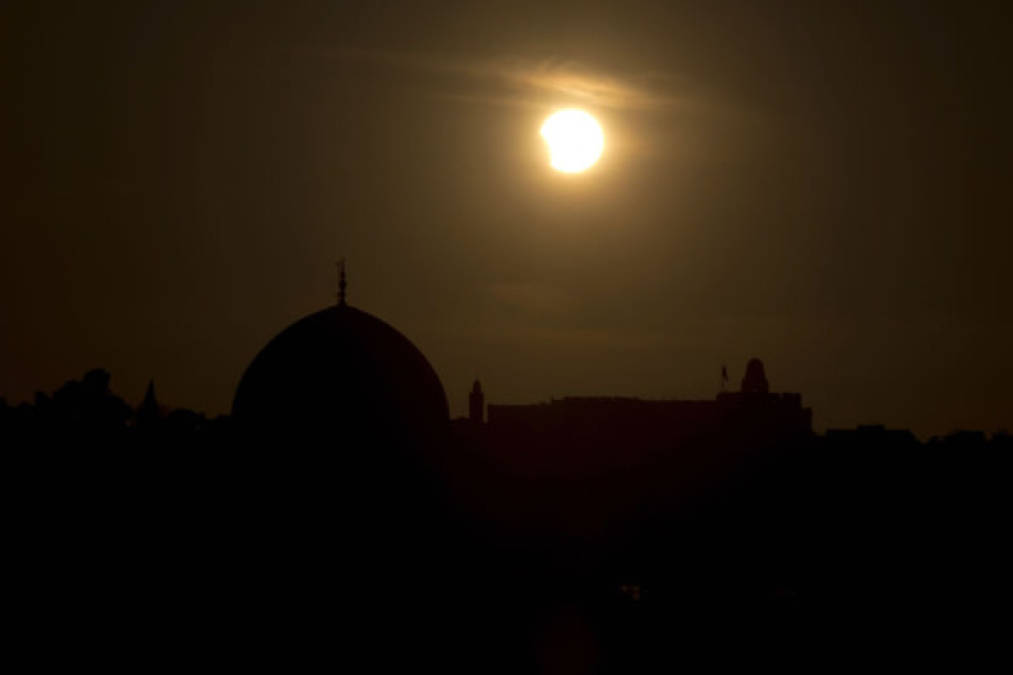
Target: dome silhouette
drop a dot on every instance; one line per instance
(340, 419)
(346, 374)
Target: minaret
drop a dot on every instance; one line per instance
(148, 412)
(476, 403)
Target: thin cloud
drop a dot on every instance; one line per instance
(532, 82)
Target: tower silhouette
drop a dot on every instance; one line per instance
(755, 380)
(476, 403)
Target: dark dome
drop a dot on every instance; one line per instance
(345, 373)
(340, 421)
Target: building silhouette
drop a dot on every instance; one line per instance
(598, 433)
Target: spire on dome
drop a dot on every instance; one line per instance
(342, 283)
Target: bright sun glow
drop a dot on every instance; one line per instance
(575, 140)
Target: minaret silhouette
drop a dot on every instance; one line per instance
(147, 412)
(476, 403)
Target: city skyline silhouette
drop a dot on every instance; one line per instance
(583, 534)
(181, 181)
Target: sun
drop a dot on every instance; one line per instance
(575, 140)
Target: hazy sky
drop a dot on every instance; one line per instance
(822, 185)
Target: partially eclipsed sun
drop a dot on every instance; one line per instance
(575, 140)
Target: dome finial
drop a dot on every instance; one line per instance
(342, 283)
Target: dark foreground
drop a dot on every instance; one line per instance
(195, 545)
